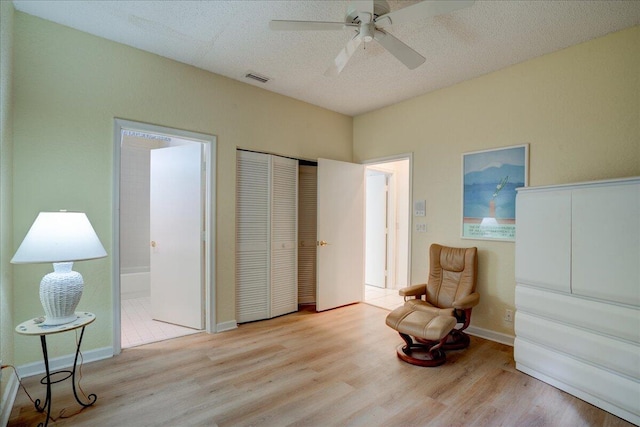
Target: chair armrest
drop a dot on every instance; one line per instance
(413, 290)
(467, 302)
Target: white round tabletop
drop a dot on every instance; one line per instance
(37, 327)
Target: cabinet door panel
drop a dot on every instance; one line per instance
(606, 243)
(543, 245)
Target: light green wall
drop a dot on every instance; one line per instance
(579, 109)
(6, 161)
(69, 87)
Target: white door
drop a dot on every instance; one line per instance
(340, 225)
(284, 236)
(376, 229)
(253, 225)
(176, 225)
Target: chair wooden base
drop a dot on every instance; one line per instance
(421, 354)
(456, 340)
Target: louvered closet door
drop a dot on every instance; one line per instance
(307, 234)
(284, 236)
(252, 236)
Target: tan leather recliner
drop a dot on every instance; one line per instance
(451, 289)
(449, 296)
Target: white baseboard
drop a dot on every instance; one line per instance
(8, 398)
(62, 362)
(226, 326)
(491, 335)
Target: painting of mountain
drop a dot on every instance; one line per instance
(490, 179)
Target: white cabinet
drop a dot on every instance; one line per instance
(578, 291)
(266, 236)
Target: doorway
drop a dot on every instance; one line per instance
(163, 234)
(387, 223)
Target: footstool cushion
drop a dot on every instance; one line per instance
(422, 324)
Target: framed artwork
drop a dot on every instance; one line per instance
(489, 182)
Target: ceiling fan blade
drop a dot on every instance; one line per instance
(401, 51)
(307, 25)
(343, 57)
(424, 9)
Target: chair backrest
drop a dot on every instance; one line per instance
(453, 274)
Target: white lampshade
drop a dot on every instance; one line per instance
(59, 237)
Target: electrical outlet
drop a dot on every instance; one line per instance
(508, 315)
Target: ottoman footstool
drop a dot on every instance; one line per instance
(432, 329)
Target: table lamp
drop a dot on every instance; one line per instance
(61, 238)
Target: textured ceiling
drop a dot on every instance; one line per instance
(231, 38)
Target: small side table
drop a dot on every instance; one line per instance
(35, 327)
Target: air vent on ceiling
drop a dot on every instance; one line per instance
(258, 77)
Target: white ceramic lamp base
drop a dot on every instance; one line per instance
(60, 294)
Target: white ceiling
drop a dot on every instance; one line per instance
(232, 38)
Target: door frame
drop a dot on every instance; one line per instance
(209, 142)
(395, 158)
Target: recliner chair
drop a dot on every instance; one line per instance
(449, 296)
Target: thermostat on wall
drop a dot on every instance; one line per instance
(420, 208)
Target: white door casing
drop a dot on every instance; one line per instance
(176, 227)
(341, 234)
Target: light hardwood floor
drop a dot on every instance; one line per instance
(334, 368)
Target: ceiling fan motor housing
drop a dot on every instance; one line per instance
(380, 7)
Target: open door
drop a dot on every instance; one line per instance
(376, 229)
(176, 225)
(340, 231)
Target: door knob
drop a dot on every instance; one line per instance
(153, 243)
(322, 243)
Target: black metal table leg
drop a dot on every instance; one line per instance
(46, 380)
(92, 397)
(47, 402)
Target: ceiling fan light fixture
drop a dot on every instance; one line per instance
(367, 31)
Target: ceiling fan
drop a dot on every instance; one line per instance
(369, 18)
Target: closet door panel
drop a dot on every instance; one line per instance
(307, 233)
(252, 236)
(284, 236)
